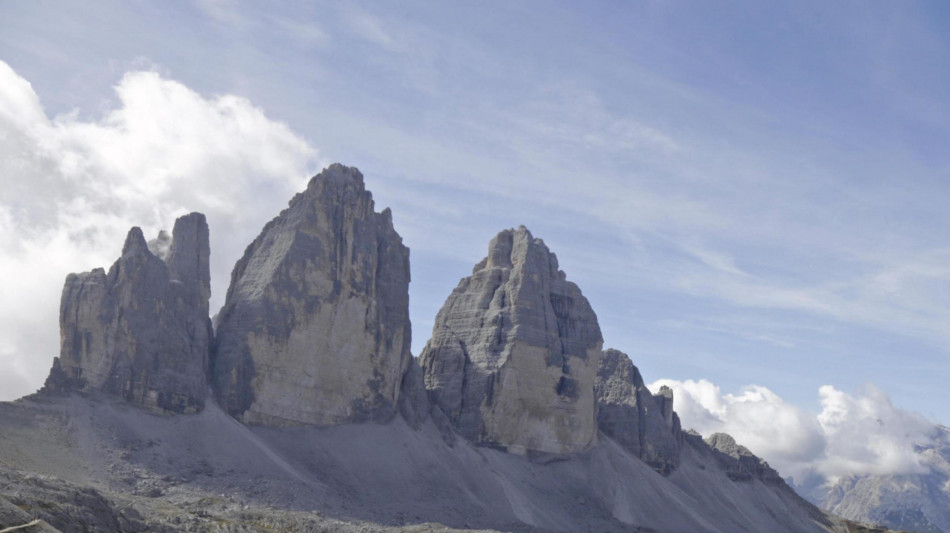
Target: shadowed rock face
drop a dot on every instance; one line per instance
(141, 331)
(627, 412)
(514, 352)
(315, 329)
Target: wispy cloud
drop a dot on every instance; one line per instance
(223, 11)
(369, 27)
(308, 33)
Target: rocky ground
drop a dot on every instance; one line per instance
(98, 464)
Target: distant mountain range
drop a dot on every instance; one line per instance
(301, 408)
(918, 501)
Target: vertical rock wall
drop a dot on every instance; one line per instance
(315, 328)
(141, 331)
(627, 412)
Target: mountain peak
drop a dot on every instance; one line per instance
(315, 327)
(134, 242)
(337, 175)
(514, 351)
(141, 332)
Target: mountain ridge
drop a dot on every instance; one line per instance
(317, 409)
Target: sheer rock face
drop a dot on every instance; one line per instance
(315, 327)
(141, 330)
(627, 412)
(514, 353)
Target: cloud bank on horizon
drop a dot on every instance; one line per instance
(853, 434)
(162, 152)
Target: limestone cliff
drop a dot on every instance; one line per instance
(627, 412)
(141, 330)
(514, 352)
(315, 328)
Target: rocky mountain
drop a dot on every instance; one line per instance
(321, 420)
(315, 328)
(514, 353)
(141, 331)
(917, 502)
(633, 417)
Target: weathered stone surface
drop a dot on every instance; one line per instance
(514, 352)
(12, 516)
(315, 328)
(413, 399)
(740, 463)
(627, 412)
(142, 330)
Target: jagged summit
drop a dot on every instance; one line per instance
(315, 327)
(142, 330)
(135, 242)
(514, 350)
(339, 175)
(517, 246)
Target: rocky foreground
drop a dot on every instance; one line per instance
(303, 410)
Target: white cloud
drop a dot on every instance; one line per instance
(866, 434)
(863, 433)
(72, 189)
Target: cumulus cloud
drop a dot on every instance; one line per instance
(854, 434)
(73, 188)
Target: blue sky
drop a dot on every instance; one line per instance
(751, 193)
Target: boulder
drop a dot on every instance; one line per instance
(514, 352)
(315, 327)
(141, 331)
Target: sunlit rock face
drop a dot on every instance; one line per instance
(141, 331)
(514, 353)
(315, 328)
(629, 413)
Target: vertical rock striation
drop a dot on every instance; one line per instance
(141, 331)
(315, 328)
(627, 412)
(514, 352)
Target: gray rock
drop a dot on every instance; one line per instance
(315, 328)
(628, 413)
(739, 463)
(16, 518)
(514, 352)
(67, 507)
(413, 399)
(141, 331)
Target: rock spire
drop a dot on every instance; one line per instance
(141, 331)
(315, 327)
(514, 352)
